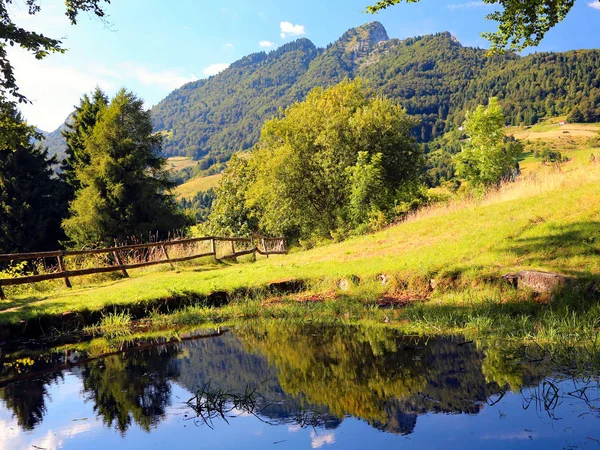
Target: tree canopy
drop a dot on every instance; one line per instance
(77, 129)
(125, 188)
(487, 158)
(335, 162)
(521, 23)
(31, 197)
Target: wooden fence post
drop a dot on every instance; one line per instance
(232, 248)
(264, 245)
(213, 247)
(61, 267)
(2, 296)
(120, 263)
(164, 249)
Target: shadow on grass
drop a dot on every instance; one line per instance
(562, 248)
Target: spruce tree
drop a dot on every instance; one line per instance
(125, 188)
(78, 127)
(32, 202)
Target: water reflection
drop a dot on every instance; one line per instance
(297, 377)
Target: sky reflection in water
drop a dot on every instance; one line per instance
(312, 387)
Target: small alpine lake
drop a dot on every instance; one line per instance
(301, 386)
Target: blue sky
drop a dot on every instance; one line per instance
(155, 46)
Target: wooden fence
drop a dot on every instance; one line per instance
(257, 244)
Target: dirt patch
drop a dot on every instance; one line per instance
(307, 297)
(399, 300)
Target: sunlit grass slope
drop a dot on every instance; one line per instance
(192, 187)
(178, 163)
(549, 222)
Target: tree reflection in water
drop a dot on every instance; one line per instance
(306, 376)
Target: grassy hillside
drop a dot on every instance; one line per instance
(201, 184)
(576, 142)
(550, 222)
(178, 163)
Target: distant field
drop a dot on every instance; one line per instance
(575, 141)
(195, 185)
(555, 131)
(178, 163)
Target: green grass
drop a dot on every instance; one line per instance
(178, 163)
(192, 187)
(549, 223)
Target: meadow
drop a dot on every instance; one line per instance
(437, 271)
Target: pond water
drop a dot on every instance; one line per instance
(300, 387)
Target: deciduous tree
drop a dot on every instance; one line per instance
(323, 165)
(487, 157)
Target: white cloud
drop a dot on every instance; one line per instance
(229, 45)
(54, 94)
(289, 29)
(468, 5)
(324, 439)
(214, 69)
(64, 81)
(266, 44)
(595, 4)
(185, 27)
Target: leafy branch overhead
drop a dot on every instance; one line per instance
(521, 23)
(39, 45)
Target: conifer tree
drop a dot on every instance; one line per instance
(80, 125)
(32, 202)
(125, 188)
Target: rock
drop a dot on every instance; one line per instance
(286, 287)
(345, 283)
(218, 298)
(433, 283)
(536, 281)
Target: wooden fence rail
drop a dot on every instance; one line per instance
(258, 244)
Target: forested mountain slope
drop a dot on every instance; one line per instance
(434, 77)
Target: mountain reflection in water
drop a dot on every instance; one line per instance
(301, 386)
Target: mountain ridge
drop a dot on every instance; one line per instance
(434, 77)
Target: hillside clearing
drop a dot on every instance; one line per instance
(201, 184)
(179, 163)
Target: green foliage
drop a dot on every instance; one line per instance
(200, 205)
(32, 201)
(224, 113)
(549, 156)
(326, 165)
(434, 77)
(588, 111)
(77, 129)
(367, 189)
(230, 216)
(521, 24)
(125, 188)
(485, 159)
(38, 44)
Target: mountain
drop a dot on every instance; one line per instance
(434, 77)
(55, 143)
